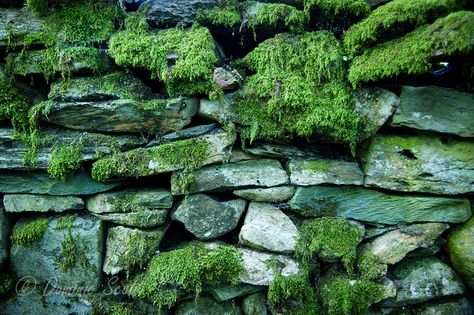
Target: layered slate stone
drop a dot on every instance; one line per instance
(268, 228)
(141, 208)
(229, 291)
(227, 79)
(208, 218)
(419, 164)
(272, 194)
(461, 251)
(422, 279)
(122, 115)
(67, 255)
(188, 133)
(315, 172)
(259, 173)
(459, 306)
(437, 109)
(218, 110)
(378, 207)
(207, 305)
(163, 13)
(4, 236)
(15, 24)
(41, 203)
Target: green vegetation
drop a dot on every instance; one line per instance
(30, 233)
(331, 237)
(185, 270)
(65, 160)
(72, 253)
(65, 222)
(38, 6)
(370, 267)
(227, 13)
(357, 8)
(13, 106)
(316, 165)
(412, 54)
(274, 14)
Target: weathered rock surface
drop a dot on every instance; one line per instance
(207, 305)
(217, 111)
(4, 236)
(229, 292)
(461, 251)
(263, 173)
(422, 279)
(227, 80)
(188, 133)
(69, 254)
(16, 23)
(163, 13)
(123, 115)
(127, 248)
(254, 304)
(374, 206)
(268, 228)
(314, 172)
(435, 109)
(459, 307)
(40, 183)
(41, 203)
(272, 194)
(419, 164)
(208, 218)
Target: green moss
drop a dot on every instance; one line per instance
(274, 14)
(65, 222)
(65, 160)
(316, 165)
(337, 7)
(140, 248)
(13, 106)
(228, 13)
(412, 54)
(38, 6)
(30, 233)
(394, 18)
(329, 236)
(370, 267)
(185, 270)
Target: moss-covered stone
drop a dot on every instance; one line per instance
(30, 233)
(15, 24)
(461, 251)
(13, 106)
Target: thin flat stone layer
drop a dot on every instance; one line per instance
(272, 194)
(41, 203)
(315, 172)
(164, 13)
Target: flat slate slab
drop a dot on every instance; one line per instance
(41, 203)
(164, 13)
(272, 194)
(315, 172)
(16, 23)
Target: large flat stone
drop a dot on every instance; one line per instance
(16, 23)
(41, 203)
(437, 109)
(217, 110)
(315, 172)
(272, 194)
(378, 207)
(419, 164)
(164, 13)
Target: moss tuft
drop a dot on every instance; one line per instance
(370, 267)
(30, 233)
(72, 253)
(337, 7)
(14, 107)
(273, 14)
(65, 160)
(39, 7)
(228, 13)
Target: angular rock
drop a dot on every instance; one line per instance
(255, 304)
(164, 13)
(122, 115)
(227, 80)
(259, 267)
(127, 248)
(67, 255)
(16, 23)
(437, 109)
(217, 111)
(459, 307)
(4, 236)
(375, 105)
(278, 151)
(229, 292)
(314, 172)
(40, 183)
(268, 228)
(272, 194)
(41, 203)
(419, 164)
(393, 246)
(140, 219)
(208, 218)
(374, 206)
(422, 279)
(207, 305)
(238, 155)
(461, 251)
(259, 173)
(188, 133)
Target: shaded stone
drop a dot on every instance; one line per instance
(272, 194)
(6, 283)
(164, 13)
(217, 110)
(437, 109)
(238, 155)
(278, 151)
(183, 134)
(268, 228)
(430, 250)
(459, 307)
(68, 255)
(40, 183)
(208, 218)
(461, 251)
(229, 291)
(207, 305)
(419, 164)
(227, 79)
(263, 173)
(15, 24)
(122, 115)
(374, 206)
(4, 235)
(254, 304)
(314, 172)
(41, 203)
(422, 279)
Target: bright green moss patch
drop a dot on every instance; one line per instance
(65, 160)
(333, 8)
(412, 54)
(394, 18)
(72, 253)
(370, 267)
(274, 14)
(38, 6)
(228, 13)
(185, 270)
(331, 238)
(30, 233)
(13, 106)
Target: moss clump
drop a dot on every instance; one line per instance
(65, 160)
(228, 13)
(38, 6)
(394, 18)
(274, 14)
(412, 54)
(337, 7)
(30, 233)
(65, 222)
(316, 165)
(370, 267)
(185, 270)
(13, 106)
(298, 88)
(72, 253)
(331, 237)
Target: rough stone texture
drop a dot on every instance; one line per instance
(258, 268)
(122, 115)
(164, 13)
(226, 79)
(16, 23)
(4, 236)
(419, 163)
(208, 218)
(264, 173)
(207, 305)
(457, 307)
(40, 183)
(254, 304)
(314, 172)
(43, 260)
(378, 207)
(435, 109)
(41, 203)
(422, 279)
(188, 133)
(268, 228)
(217, 111)
(375, 105)
(461, 251)
(272, 194)
(128, 247)
(279, 151)
(12, 151)
(228, 292)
